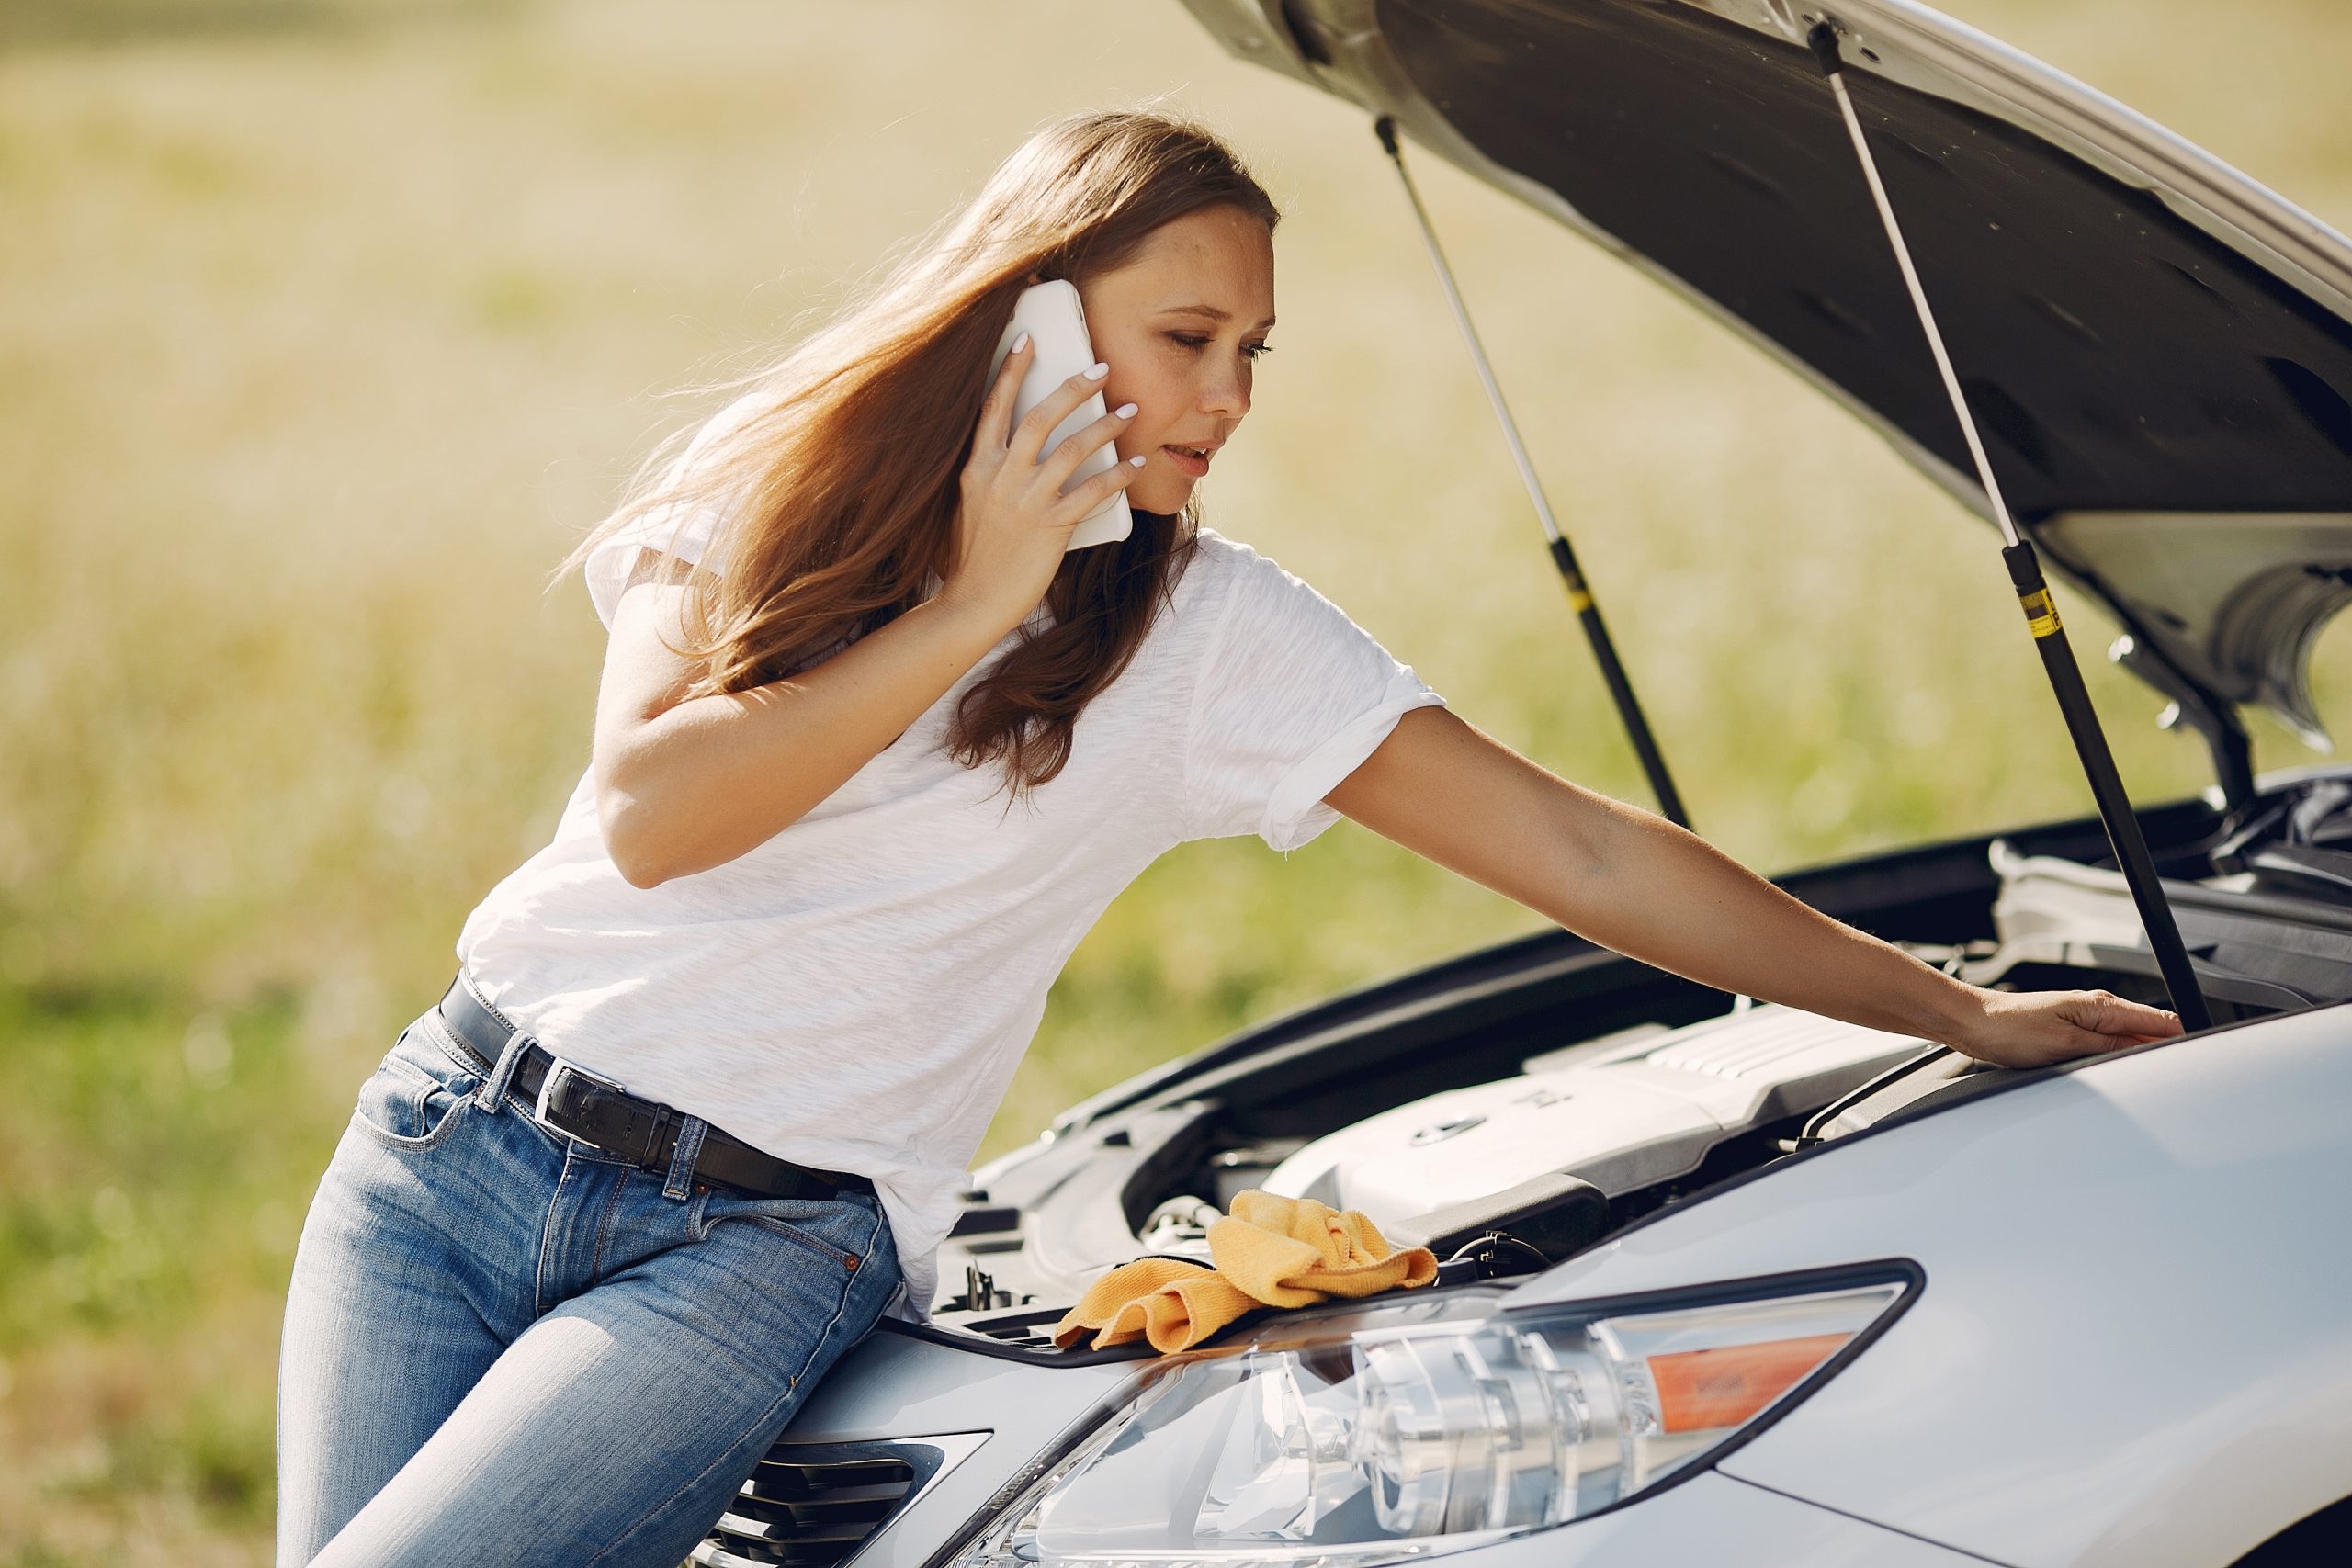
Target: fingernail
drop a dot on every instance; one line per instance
(1020, 342)
(1135, 461)
(1096, 371)
(1124, 410)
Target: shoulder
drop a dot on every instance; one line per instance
(728, 421)
(1224, 556)
(1241, 616)
(1243, 586)
(1225, 571)
(680, 516)
(697, 487)
(1221, 577)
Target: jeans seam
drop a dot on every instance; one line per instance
(849, 1288)
(547, 1240)
(604, 1231)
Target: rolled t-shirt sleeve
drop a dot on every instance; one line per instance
(1292, 697)
(676, 528)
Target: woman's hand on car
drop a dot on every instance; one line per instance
(1013, 522)
(2032, 1029)
(1629, 880)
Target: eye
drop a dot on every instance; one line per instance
(1193, 342)
(1196, 341)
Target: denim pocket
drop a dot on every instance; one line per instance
(840, 1230)
(410, 1100)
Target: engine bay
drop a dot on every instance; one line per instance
(1623, 1115)
(1511, 1108)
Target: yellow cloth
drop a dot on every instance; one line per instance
(1270, 1251)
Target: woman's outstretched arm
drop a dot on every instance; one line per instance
(1629, 880)
(684, 785)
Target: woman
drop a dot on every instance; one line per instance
(698, 1109)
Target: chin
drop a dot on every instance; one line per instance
(1164, 498)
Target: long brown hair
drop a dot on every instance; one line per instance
(836, 494)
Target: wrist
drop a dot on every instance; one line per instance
(1952, 1013)
(976, 617)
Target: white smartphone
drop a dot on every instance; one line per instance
(1051, 315)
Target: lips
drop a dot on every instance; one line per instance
(1191, 461)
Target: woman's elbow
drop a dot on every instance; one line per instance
(632, 839)
(639, 874)
(636, 861)
(651, 841)
(657, 826)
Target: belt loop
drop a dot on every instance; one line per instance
(494, 1088)
(682, 1159)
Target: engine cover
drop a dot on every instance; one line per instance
(1627, 1117)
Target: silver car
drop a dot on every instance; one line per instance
(1725, 1281)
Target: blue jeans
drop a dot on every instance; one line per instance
(505, 1346)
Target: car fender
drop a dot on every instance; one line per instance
(2134, 1340)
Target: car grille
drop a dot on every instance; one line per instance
(813, 1505)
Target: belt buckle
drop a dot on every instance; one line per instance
(563, 1064)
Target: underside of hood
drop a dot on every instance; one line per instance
(2158, 350)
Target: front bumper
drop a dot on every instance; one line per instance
(1712, 1518)
(1013, 1415)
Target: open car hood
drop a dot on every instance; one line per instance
(2159, 349)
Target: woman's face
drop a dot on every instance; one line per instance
(1179, 325)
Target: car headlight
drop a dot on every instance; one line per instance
(1410, 1428)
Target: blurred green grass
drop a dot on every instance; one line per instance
(325, 327)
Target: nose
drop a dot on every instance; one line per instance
(1227, 391)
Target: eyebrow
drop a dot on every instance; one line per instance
(1211, 311)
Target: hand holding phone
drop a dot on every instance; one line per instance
(1022, 498)
(1056, 321)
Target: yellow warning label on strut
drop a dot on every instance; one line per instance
(2040, 615)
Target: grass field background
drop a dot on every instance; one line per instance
(325, 328)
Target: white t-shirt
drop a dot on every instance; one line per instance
(855, 993)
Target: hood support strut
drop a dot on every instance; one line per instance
(2123, 835)
(1563, 555)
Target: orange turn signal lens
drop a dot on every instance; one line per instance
(1699, 1390)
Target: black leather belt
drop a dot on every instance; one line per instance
(598, 1111)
